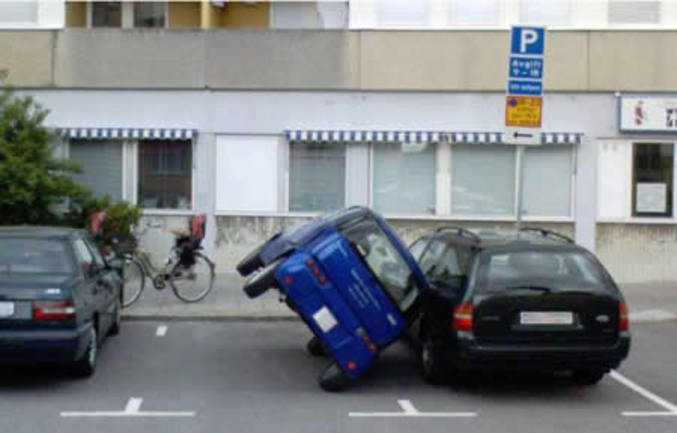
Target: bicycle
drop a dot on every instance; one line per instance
(189, 272)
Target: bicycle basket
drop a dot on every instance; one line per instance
(125, 245)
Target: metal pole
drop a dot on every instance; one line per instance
(520, 185)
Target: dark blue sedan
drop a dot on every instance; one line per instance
(58, 298)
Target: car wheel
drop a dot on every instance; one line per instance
(250, 262)
(315, 347)
(263, 280)
(85, 366)
(117, 319)
(433, 363)
(333, 378)
(587, 377)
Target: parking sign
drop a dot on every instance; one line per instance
(524, 92)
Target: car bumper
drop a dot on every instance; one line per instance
(60, 346)
(472, 355)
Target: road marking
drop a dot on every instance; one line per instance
(161, 331)
(132, 409)
(671, 408)
(409, 411)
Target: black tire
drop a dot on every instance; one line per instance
(117, 320)
(316, 348)
(333, 378)
(260, 282)
(250, 262)
(587, 377)
(133, 281)
(433, 362)
(86, 365)
(202, 282)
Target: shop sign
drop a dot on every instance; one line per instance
(648, 113)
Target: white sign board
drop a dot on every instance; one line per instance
(651, 198)
(648, 113)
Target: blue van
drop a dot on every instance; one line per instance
(351, 280)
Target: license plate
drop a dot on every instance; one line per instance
(546, 318)
(6, 309)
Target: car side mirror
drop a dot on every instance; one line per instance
(90, 269)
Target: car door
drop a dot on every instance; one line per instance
(94, 293)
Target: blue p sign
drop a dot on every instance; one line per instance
(527, 41)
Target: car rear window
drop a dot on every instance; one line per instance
(34, 256)
(549, 269)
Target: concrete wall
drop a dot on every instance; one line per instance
(639, 253)
(583, 61)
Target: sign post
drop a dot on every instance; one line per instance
(524, 97)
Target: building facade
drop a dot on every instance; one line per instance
(266, 127)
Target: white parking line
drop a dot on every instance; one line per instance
(671, 408)
(409, 411)
(161, 331)
(132, 409)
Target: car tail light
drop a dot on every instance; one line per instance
(623, 320)
(352, 366)
(463, 318)
(317, 272)
(53, 310)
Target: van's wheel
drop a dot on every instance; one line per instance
(315, 347)
(85, 366)
(263, 280)
(250, 262)
(433, 362)
(333, 378)
(587, 377)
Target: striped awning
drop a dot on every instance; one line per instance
(128, 133)
(349, 136)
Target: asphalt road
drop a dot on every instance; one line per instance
(257, 377)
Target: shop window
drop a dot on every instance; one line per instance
(653, 165)
(483, 180)
(476, 12)
(545, 12)
(106, 14)
(165, 174)
(317, 177)
(149, 14)
(101, 163)
(404, 178)
(548, 172)
(634, 12)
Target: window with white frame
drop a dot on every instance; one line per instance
(475, 12)
(165, 174)
(101, 163)
(149, 14)
(483, 180)
(403, 13)
(548, 177)
(634, 12)
(317, 176)
(106, 14)
(652, 179)
(404, 178)
(545, 12)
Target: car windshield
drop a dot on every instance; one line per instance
(543, 269)
(384, 261)
(34, 256)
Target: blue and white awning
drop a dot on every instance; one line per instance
(129, 133)
(349, 136)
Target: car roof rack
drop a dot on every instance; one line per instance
(460, 231)
(545, 233)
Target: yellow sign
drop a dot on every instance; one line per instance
(523, 111)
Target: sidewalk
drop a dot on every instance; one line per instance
(227, 301)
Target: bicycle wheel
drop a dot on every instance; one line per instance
(194, 283)
(134, 280)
